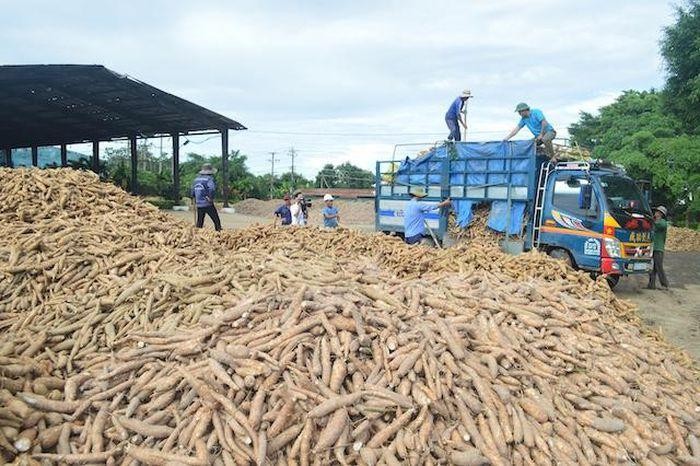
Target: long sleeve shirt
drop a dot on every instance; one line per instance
(660, 228)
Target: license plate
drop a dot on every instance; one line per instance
(640, 266)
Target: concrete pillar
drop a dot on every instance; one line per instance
(176, 168)
(224, 165)
(134, 165)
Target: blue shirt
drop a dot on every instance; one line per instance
(203, 190)
(534, 122)
(414, 217)
(284, 213)
(454, 109)
(330, 222)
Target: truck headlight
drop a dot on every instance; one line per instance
(613, 247)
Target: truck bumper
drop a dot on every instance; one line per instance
(616, 266)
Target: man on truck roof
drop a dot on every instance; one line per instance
(454, 116)
(414, 215)
(539, 126)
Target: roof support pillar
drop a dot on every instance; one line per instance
(96, 156)
(134, 165)
(224, 165)
(176, 167)
(64, 155)
(8, 157)
(35, 156)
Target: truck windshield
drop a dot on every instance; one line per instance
(622, 194)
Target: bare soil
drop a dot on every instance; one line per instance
(675, 312)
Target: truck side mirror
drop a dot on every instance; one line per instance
(584, 197)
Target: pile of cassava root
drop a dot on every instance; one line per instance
(128, 337)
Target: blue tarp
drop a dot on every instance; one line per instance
(498, 217)
(469, 164)
(463, 210)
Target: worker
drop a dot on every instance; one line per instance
(203, 191)
(330, 213)
(283, 211)
(414, 215)
(539, 126)
(297, 210)
(660, 227)
(454, 116)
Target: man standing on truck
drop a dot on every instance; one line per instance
(454, 116)
(660, 227)
(539, 126)
(414, 215)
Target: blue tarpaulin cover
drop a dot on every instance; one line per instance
(463, 210)
(470, 166)
(470, 160)
(498, 217)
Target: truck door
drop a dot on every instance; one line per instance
(572, 218)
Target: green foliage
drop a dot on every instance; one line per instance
(345, 175)
(680, 47)
(162, 204)
(635, 132)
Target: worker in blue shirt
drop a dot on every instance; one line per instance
(454, 116)
(539, 126)
(283, 211)
(203, 191)
(330, 213)
(414, 215)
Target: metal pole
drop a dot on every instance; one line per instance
(35, 156)
(224, 165)
(292, 154)
(64, 155)
(272, 174)
(96, 156)
(175, 166)
(134, 165)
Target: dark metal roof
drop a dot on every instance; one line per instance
(43, 105)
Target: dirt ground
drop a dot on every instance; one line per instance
(676, 312)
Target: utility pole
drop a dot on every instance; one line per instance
(292, 154)
(272, 173)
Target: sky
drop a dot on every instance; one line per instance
(347, 80)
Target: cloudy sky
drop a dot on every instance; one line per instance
(346, 80)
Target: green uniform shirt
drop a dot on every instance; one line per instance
(660, 227)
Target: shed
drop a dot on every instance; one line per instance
(57, 105)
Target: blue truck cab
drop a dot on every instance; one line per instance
(589, 213)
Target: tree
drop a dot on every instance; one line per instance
(345, 175)
(635, 132)
(680, 48)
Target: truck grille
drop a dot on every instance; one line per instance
(637, 251)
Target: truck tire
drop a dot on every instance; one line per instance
(562, 254)
(612, 280)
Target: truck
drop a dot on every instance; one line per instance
(588, 213)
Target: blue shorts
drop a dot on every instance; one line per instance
(414, 239)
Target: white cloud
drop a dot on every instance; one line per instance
(360, 75)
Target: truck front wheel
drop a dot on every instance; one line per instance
(612, 280)
(562, 254)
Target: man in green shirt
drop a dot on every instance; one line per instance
(660, 227)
